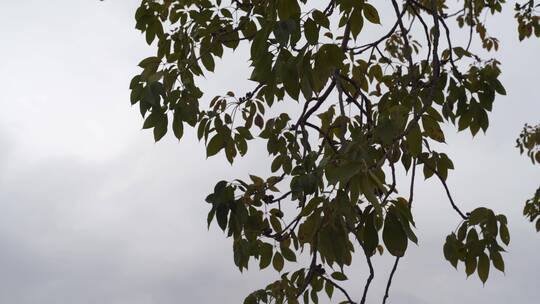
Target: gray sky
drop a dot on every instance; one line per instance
(92, 211)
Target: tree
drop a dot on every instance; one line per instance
(365, 110)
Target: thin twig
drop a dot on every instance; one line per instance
(448, 194)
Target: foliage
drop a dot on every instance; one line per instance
(364, 111)
(532, 209)
(529, 142)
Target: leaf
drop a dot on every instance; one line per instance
(290, 80)
(256, 180)
(329, 289)
(450, 250)
(288, 9)
(478, 215)
(251, 299)
(278, 262)
(356, 22)
(160, 128)
(150, 61)
(259, 122)
(371, 235)
(497, 85)
(311, 205)
(178, 126)
(394, 237)
(343, 173)
(311, 31)
(462, 232)
(497, 260)
(266, 255)
(208, 61)
(483, 267)
(321, 18)
(339, 276)
(210, 216)
(276, 224)
(432, 128)
(376, 72)
(371, 13)
(306, 297)
(470, 265)
(314, 296)
(215, 145)
(288, 254)
(505, 235)
(221, 216)
(414, 140)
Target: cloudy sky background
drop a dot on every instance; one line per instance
(92, 211)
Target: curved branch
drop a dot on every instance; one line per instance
(369, 279)
(390, 280)
(350, 301)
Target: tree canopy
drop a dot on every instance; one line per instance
(365, 109)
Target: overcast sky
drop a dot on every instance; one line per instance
(92, 211)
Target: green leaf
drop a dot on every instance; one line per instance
(394, 237)
(256, 180)
(290, 79)
(483, 267)
(305, 296)
(432, 128)
(210, 216)
(462, 232)
(321, 18)
(497, 260)
(311, 31)
(278, 262)
(356, 22)
(160, 128)
(371, 13)
(208, 61)
(222, 213)
(288, 254)
(505, 235)
(450, 249)
(329, 289)
(178, 126)
(343, 173)
(497, 85)
(339, 276)
(276, 224)
(478, 215)
(414, 140)
(311, 206)
(470, 265)
(150, 61)
(371, 235)
(251, 299)
(314, 296)
(288, 9)
(214, 145)
(266, 255)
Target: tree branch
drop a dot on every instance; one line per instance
(350, 301)
(394, 268)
